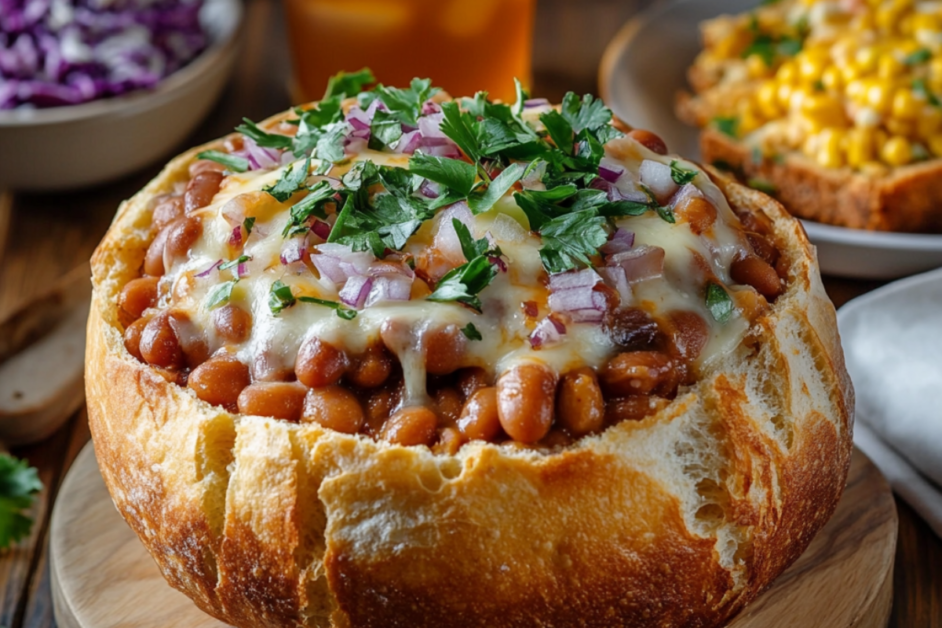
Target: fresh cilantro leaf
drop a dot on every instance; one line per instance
(460, 128)
(406, 104)
(920, 89)
(396, 219)
(362, 174)
(292, 180)
(559, 129)
(398, 181)
(469, 246)
(608, 133)
(666, 214)
(385, 130)
(310, 205)
(356, 232)
(347, 84)
(718, 302)
(327, 111)
(220, 294)
(341, 310)
(588, 151)
(248, 224)
(233, 263)
(231, 162)
(454, 174)
(263, 138)
(464, 283)
(19, 484)
(280, 297)
(571, 239)
(471, 332)
(920, 56)
(589, 113)
(680, 175)
(481, 202)
(330, 145)
(541, 206)
(727, 125)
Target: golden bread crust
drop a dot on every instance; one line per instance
(680, 519)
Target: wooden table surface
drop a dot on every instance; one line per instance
(43, 236)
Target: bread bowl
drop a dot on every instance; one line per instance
(677, 505)
(832, 105)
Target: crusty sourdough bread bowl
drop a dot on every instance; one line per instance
(677, 520)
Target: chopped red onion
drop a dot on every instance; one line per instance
(573, 279)
(429, 107)
(614, 277)
(355, 146)
(409, 143)
(293, 250)
(446, 238)
(391, 269)
(329, 267)
(321, 229)
(389, 288)
(337, 262)
(688, 191)
(547, 332)
(610, 173)
(236, 238)
(242, 269)
(622, 240)
(641, 263)
(657, 177)
(355, 291)
(209, 270)
(499, 262)
(449, 150)
(535, 102)
(576, 299)
(430, 189)
(363, 134)
(430, 126)
(260, 158)
(233, 211)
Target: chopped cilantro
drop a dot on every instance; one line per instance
(666, 214)
(727, 125)
(718, 302)
(19, 484)
(263, 138)
(233, 263)
(469, 246)
(220, 294)
(406, 104)
(292, 180)
(385, 130)
(559, 129)
(571, 239)
(280, 297)
(589, 113)
(454, 174)
(340, 309)
(480, 202)
(347, 84)
(921, 89)
(681, 176)
(231, 162)
(463, 284)
(459, 127)
(920, 56)
(329, 146)
(327, 111)
(471, 332)
(248, 224)
(310, 205)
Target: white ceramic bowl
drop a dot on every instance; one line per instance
(642, 71)
(70, 147)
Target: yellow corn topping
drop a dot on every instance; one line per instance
(849, 83)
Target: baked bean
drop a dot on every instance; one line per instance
(757, 223)
(333, 407)
(649, 140)
(269, 365)
(232, 323)
(220, 381)
(479, 418)
(580, 408)
(166, 211)
(379, 406)
(448, 404)
(138, 295)
(636, 373)
(411, 426)
(633, 408)
(690, 333)
(698, 212)
(556, 438)
(181, 235)
(471, 379)
(751, 270)
(191, 337)
(132, 337)
(371, 369)
(204, 165)
(154, 258)
(159, 345)
(281, 400)
(319, 363)
(444, 349)
(763, 248)
(201, 189)
(525, 396)
(449, 442)
(781, 267)
(632, 329)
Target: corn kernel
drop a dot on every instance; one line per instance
(859, 146)
(905, 104)
(867, 59)
(905, 128)
(929, 122)
(851, 71)
(886, 19)
(798, 96)
(879, 96)
(935, 69)
(935, 145)
(784, 93)
(823, 109)
(767, 98)
(756, 66)
(926, 21)
(829, 150)
(896, 152)
(857, 90)
(787, 73)
(831, 79)
(811, 67)
(905, 25)
(889, 67)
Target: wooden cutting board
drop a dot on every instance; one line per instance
(103, 578)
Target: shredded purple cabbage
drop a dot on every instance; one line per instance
(65, 52)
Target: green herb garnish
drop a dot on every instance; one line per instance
(727, 125)
(347, 84)
(471, 332)
(231, 162)
(718, 302)
(220, 294)
(340, 309)
(920, 56)
(681, 176)
(290, 182)
(19, 484)
(280, 297)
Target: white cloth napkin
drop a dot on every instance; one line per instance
(892, 342)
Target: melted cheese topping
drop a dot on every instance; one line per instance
(275, 339)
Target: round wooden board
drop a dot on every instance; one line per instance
(103, 578)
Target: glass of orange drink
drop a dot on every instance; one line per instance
(464, 46)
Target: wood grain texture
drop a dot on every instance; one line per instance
(103, 578)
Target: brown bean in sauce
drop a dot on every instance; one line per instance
(479, 419)
(632, 408)
(137, 296)
(411, 426)
(649, 140)
(636, 373)
(159, 345)
(281, 400)
(319, 363)
(525, 397)
(335, 408)
(154, 258)
(167, 211)
(132, 337)
(182, 235)
(201, 189)
(753, 271)
(632, 329)
(580, 407)
(232, 323)
(444, 349)
(219, 381)
(371, 369)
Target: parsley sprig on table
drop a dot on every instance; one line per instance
(19, 484)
